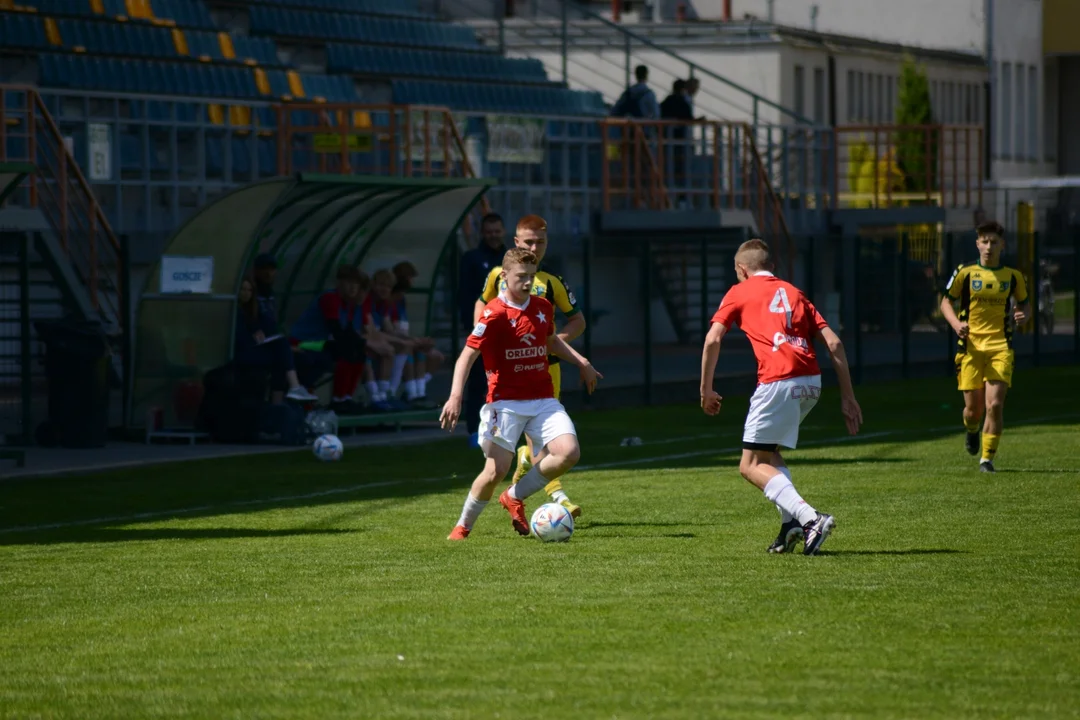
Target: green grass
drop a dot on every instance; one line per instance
(944, 593)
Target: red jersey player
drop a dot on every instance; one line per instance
(781, 325)
(514, 334)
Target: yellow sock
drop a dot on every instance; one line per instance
(972, 426)
(524, 463)
(989, 446)
(553, 487)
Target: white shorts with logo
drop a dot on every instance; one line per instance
(778, 408)
(503, 421)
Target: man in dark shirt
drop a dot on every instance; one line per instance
(676, 106)
(475, 266)
(265, 273)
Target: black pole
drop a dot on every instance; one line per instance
(454, 299)
(1033, 295)
(586, 295)
(811, 286)
(905, 324)
(858, 322)
(646, 286)
(948, 330)
(705, 317)
(1076, 294)
(126, 331)
(25, 371)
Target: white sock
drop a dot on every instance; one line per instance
(528, 485)
(372, 388)
(342, 399)
(421, 387)
(400, 361)
(384, 387)
(427, 377)
(783, 493)
(410, 390)
(471, 511)
(785, 516)
(559, 496)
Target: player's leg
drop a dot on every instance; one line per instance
(791, 532)
(776, 410)
(499, 432)
(554, 488)
(999, 372)
(475, 392)
(969, 378)
(551, 429)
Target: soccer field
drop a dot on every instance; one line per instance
(292, 589)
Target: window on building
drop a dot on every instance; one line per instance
(890, 100)
(935, 100)
(1020, 114)
(1050, 116)
(870, 98)
(860, 95)
(968, 108)
(1005, 130)
(1033, 113)
(819, 96)
(800, 90)
(851, 95)
(880, 97)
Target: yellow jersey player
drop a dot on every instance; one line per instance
(531, 235)
(984, 357)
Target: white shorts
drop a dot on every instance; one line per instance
(503, 421)
(778, 408)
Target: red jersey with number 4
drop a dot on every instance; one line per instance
(513, 341)
(780, 322)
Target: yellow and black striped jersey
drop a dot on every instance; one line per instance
(546, 285)
(984, 295)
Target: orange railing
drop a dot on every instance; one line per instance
(665, 164)
(399, 140)
(879, 166)
(58, 188)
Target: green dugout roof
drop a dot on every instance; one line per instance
(311, 224)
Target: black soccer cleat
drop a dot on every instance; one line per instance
(816, 531)
(987, 467)
(971, 443)
(791, 533)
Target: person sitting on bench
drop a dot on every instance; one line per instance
(257, 345)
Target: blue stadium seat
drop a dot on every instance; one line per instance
(504, 98)
(19, 30)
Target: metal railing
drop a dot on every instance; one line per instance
(59, 189)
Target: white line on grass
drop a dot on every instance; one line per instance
(394, 483)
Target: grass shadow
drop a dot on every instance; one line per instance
(113, 535)
(914, 551)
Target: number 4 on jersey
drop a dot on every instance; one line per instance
(781, 304)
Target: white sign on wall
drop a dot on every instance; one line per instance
(185, 274)
(100, 151)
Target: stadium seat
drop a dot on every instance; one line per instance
(396, 62)
(280, 22)
(20, 30)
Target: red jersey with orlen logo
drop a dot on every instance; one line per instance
(780, 322)
(513, 342)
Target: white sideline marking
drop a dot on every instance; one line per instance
(393, 483)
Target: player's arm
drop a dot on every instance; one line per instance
(710, 354)
(1022, 311)
(451, 411)
(951, 294)
(849, 406)
(563, 299)
(589, 375)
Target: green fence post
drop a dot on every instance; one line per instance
(905, 314)
(26, 375)
(705, 317)
(1033, 297)
(1076, 294)
(948, 269)
(646, 286)
(858, 321)
(455, 303)
(586, 301)
(127, 333)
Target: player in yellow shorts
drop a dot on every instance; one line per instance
(984, 357)
(531, 234)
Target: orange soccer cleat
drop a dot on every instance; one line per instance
(460, 532)
(516, 508)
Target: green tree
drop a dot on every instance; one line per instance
(916, 150)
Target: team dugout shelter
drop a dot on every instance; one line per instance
(310, 223)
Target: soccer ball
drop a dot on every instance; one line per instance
(328, 448)
(552, 523)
